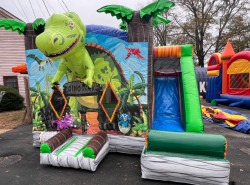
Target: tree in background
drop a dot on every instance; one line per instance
(239, 33)
(207, 24)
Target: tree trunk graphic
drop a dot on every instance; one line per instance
(140, 30)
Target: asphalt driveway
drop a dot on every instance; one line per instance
(19, 162)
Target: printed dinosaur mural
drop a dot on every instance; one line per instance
(97, 62)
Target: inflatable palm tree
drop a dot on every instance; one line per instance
(140, 29)
(14, 25)
(30, 30)
(152, 10)
(20, 26)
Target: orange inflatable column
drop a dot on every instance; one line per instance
(225, 57)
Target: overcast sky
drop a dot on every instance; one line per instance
(29, 10)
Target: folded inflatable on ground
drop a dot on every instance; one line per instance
(227, 118)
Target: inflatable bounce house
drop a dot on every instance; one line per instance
(97, 89)
(228, 78)
(201, 74)
(214, 77)
(229, 84)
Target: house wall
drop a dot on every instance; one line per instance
(12, 53)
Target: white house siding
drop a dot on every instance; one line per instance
(12, 53)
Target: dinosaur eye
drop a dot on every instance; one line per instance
(71, 25)
(55, 39)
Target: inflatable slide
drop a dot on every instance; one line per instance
(177, 104)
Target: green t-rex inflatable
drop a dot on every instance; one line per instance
(63, 38)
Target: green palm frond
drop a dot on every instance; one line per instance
(140, 75)
(120, 12)
(159, 20)
(123, 100)
(33, 89)
(33, 94)
(155, 8)
(123, 91)
(131, 81)
(139, 92)
(123, 26)
(138, 120)
(145, 119)
(131, 100)
(44, 93)
(140, 86)
(38, 25)
(14, 25)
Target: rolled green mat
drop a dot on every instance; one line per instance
(95, 145)
(187, 143)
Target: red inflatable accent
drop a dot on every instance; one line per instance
(214, 58)
(214, 67)
(22, 68)
(240, 55)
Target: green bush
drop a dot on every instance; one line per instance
(11, 100)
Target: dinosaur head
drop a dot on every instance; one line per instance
(62, 37)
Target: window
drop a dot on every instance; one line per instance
(10, 81)
(213, 62)
(239, 81)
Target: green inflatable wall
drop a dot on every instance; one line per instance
(191, 103)
(210, 145)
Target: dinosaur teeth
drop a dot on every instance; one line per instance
(63, 51)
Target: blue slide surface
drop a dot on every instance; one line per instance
(167, 108)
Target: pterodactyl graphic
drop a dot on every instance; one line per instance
(40, 62)
(134, 51)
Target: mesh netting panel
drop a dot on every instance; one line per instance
(239, 81)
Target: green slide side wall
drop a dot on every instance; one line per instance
(210, 145)
(191, 102)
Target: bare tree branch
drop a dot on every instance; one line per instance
(207, 24)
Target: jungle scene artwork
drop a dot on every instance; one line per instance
(116, 102)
